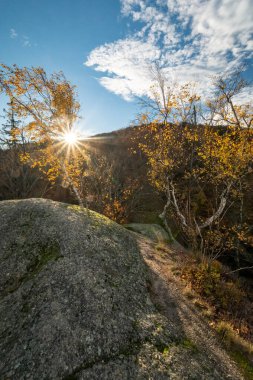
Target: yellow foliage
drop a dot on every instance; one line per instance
(47, 107)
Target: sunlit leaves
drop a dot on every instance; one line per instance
(45, 100)
(199, 161)
(47, 107)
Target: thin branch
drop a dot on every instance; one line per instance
(181, 216)
(222, 205)
(237, 270)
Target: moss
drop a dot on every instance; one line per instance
(44, 255)
(163, 348)
(185, 343)
(86, 211)
(189, 345)
(243, 363)
(166, 351)
(97, 221)
(76, 208)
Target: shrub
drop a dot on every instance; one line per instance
(209, 281)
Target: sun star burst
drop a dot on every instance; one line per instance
(70, 138)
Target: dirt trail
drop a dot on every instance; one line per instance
(167, 293)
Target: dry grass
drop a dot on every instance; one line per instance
(188, 292)
(212, 292)
(239, 349)
(219, 297)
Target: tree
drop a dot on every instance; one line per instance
(48, 109)
(10, 131)
(199, 168)
(224, 108)
(113, 184)
(49, 101)
(17, 179)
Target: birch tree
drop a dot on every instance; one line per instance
(197, 164)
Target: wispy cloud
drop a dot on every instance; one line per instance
(23, 39)
(193, 40)
(13, 33)
(26, 41)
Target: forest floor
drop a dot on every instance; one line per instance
(168, 293)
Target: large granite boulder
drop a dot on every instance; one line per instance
(75, 303)
(73, 297)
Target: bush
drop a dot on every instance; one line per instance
(209, 281)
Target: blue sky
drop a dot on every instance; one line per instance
(106, 47)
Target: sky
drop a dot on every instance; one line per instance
(107, 47)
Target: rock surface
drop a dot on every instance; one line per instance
(74, 302)
(152, 231)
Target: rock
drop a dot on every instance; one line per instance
(74, 302)
(152, 231)
(73, 295)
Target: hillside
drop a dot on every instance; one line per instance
(114, 168)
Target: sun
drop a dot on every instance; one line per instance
(70, 138)
(70, 141)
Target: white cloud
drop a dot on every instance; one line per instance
(193, 40)
(245, 95)
(26, 41)
(13, 33)
(127, 63)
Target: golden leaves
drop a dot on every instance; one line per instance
(47, 105)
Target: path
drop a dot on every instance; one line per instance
(167, 293)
